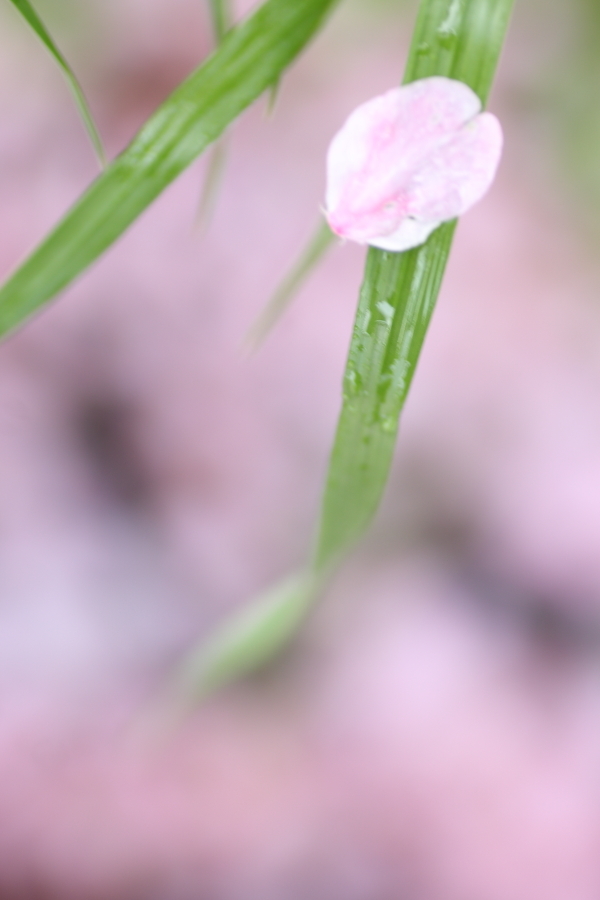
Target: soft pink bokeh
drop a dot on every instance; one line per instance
(435, 732)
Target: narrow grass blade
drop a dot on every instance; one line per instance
(250, 58)
(212, 182)
(221, 18)
(250, 640)
(460, 39)
(396, 303)
(273, 96)
(31, 16)
(222, 21)
(320, 242)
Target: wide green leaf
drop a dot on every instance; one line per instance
(31, 16)
(248, 61)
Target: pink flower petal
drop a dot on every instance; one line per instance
(457, 173)
(410, 233)
(408, 160)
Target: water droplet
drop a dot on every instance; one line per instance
(447, 32)
(386, 310)
(447, 39)
(364, 322)
(352, 383)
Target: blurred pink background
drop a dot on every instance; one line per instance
(434, 734)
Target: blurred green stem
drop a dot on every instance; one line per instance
(321, 240)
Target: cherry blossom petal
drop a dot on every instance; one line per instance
(459, 172)
(410, 233)
(408, 160)
(386, 136)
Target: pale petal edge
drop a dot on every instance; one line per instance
(410, 233)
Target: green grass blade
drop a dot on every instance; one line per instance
(31, 16)
(320, 242)
(274, 91)
(461, 39)
(250, 641)
(221, 18)
(395, 306)
(213, 179)
(222, 22)
(250, 58)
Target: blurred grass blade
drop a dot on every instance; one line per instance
(249, 640)
(461, 39)
(221, 22)
(221, 18)
(212, 182)
(320, 242)
(31, 16)
(273, 96)
(251, 57)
